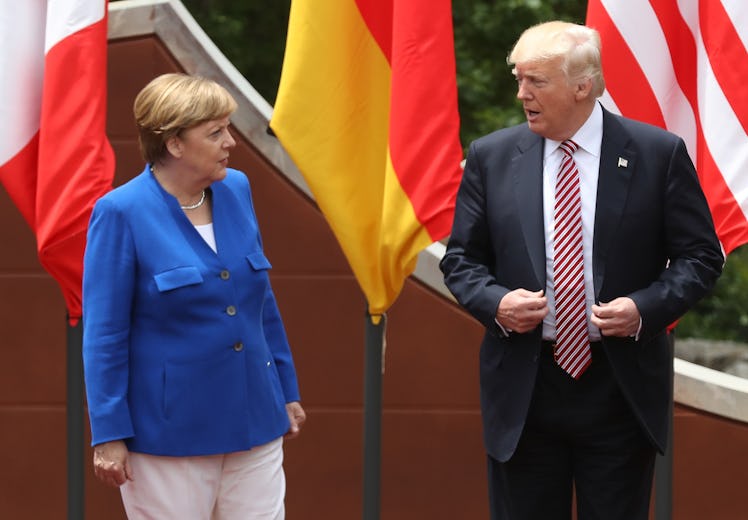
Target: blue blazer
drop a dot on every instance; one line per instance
(654, 242)
(184, 349)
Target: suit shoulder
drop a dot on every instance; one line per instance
(236, 179)
(504, 136)
(646, 131)
(502, 145)
(128, 194)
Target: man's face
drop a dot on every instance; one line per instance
(551, 104)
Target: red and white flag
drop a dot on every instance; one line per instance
(55, 159)
(682, 65)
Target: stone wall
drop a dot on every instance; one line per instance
(726, 356)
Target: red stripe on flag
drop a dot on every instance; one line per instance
(729, 220)
(424, 122)
(729, 62)
(625, 80)
(682, 48)
(19, 182)
(727, 55)
(377, 15)
(76, 162)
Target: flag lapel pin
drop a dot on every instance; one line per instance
(623, 163)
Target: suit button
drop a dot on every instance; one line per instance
(231, 310)
(268, 363)
(225, 275)
(238, 346)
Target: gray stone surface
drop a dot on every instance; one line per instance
(726, 356)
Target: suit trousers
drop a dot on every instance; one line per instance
(244, 485)
(580, 440)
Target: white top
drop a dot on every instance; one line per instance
(206, 231)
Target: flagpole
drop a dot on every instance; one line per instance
(373, 370)
(663, 485)
(74, 407)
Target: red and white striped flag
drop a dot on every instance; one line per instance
(55, 159)
(682, 65)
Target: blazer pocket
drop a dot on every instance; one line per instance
(258, 261)
(177, 277)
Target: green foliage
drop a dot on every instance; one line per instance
(724, 313)
(252, 35)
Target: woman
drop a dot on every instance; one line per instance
(189, 376)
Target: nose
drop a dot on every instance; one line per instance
(229, 142)
(522, 91)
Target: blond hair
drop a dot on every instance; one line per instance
(578, 45)
(174, 102)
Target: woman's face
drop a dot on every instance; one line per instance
(204, 149)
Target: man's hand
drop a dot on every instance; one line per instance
(619, 317)
(521, 310)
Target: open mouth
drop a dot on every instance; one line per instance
(532, 116)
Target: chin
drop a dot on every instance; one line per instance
(535, 127)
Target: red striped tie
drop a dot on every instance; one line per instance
(573, 353)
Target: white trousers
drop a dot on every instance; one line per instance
(246, 485)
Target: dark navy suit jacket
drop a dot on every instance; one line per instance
(184, 349)
(654, 242)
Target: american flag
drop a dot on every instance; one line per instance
(683, 65)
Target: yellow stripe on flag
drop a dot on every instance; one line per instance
(332, 116)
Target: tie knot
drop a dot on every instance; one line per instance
(569, 147)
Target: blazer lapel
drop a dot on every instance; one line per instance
(527, 168)
(617, 164)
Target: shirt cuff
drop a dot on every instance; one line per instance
(501, 327)
(638, 331)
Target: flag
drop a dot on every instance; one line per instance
(683, 66)
(55, 159)
(367, 109)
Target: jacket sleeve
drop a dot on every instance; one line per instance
(695, 257)
(275, 333)
(468, 260)
(108, 286)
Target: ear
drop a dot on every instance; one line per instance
(174, 146)
(582, 89)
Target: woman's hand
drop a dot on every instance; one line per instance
(297, 417)
(111, 463)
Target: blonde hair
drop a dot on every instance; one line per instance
(578, 45)
(174, 102)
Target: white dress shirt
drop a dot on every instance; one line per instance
(589, 138)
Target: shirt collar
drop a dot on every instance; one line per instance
(589, 137)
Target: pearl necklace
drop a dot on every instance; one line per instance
(191, 206)
(196, 204)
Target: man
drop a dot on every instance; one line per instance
(576, 375)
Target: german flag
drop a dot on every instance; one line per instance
(367, 109)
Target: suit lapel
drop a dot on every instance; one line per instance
(617, 164)
(527, 168)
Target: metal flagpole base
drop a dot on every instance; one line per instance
(373, 370)
(75, 436)
(663, 486)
